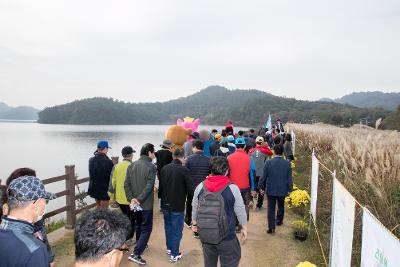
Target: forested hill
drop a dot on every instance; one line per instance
(214, 105)
(17, 113)
(388, 101)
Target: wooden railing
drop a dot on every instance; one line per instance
(71, 181)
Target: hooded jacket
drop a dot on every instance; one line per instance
(232, 199)
(259, 155)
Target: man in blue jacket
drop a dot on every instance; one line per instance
(208, 140)
(199, 167)
(100, 168)
(27, 203)
(277, 178)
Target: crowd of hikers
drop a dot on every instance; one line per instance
(209, 185)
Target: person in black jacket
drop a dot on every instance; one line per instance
(199, 168)
(100, 168)
(277, 182)
(164, 157)
(175, 185)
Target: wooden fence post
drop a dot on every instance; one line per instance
(115, 160)
(70, 197)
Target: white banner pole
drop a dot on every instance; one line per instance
(332, 218)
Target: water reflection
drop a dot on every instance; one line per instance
(48, 148)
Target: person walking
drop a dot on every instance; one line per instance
(198, 165)
(26, 201)
(175, 186)
(216, 203)
(188, 145)
(207, 139)
(216, 145)
(241, 172)
(139, 189)
(164, 157)
(259, 155)
(231, 144)
(278, 181)
(117, 186)
(287, 147)
(223, 150)
(100, 167)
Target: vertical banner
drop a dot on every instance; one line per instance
(379, 247)
(314, 186)
(343, 209)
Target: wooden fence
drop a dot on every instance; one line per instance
(71, 181)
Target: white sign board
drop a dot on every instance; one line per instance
(379, 247)
(314, 186)
(293, 143)
(343, 208)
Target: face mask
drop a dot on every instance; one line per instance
(41, 216)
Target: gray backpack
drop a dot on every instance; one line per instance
(212, 222)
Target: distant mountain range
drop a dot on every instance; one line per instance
(388, 101)
(18, 113)
(214, 105)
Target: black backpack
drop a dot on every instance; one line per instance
(212, 222)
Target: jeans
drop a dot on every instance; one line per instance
(228, 252)
(274, 217)
(144, 226)
(188, 216)
(173, 225)
(131, 216)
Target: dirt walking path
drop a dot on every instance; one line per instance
(261, 249)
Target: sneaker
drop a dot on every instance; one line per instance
(196, 235)
(176, 258)
(168, 252)
(137, 259)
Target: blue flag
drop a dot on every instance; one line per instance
(269, 123)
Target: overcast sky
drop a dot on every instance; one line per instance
(53, 52)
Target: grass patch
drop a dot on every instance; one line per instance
(64, 250)
(51, 226)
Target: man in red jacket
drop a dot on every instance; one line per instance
(241, 172)
(260, 154)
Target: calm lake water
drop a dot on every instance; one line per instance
(48, 148)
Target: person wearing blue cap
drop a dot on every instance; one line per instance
(100, 168)
(242, 172)
(27, 200)
(231, 144)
